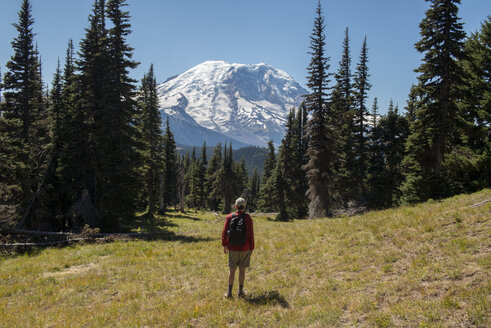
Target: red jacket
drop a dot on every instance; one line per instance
(249, 245)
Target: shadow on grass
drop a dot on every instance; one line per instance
(166, 235)
(267, 298)
(185, 216)
(142, 227)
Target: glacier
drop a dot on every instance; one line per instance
(247, 104)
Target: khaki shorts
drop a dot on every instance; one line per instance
(241, 259)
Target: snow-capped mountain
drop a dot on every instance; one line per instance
(247, 104)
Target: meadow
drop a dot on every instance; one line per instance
(427, 265)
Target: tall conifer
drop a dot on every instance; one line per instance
(213, 200)
(22, 93)
(151, 133)
(433, 131)
(170, 175)
(320, 169)
(361, 88)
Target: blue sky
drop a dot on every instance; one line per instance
(177, 35)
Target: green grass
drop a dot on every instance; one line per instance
(422, 266)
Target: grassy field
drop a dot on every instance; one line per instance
(422, 266)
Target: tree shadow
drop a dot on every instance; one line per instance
(185, 216)
(272, 297)
(166, 235)
(38, 245)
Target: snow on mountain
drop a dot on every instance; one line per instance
(244, 103)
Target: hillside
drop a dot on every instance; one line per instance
(422, 266)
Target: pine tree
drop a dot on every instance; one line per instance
(411, 104)
(201, 178)
(298, 178)
(241, 174)
(215, 162)
(433, 131)
(266, 201)
(254, 183)
(469, 167)
(92, 114)
(181, 182)
(22, 93)
(320, 169)
(361, 87)
(11, 168)
(375, 114)
(192, 173)
(343, 115)
(169, 180)
(285, 171)
(225, 182)
(395, 132)
(376, 171)
(55, 119)
(73, 138)
(152, 140)
(119, 159)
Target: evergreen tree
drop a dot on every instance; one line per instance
(91, 111)
(469, 165)
(395, 132)
(411, 104)
(215, 162)
(225, 182)
(374, 113)
(22, 93)
(299, 181)
(12, 169)
(181, 182)
(56, 121)
(241, 174)
(266, 201)
(387, 150)
(283, 191)
(433, 131)
(376, 171)
(342, 112)
(169, 180)
(361, 87)
(192, 177)
(320, 169)
(201, 178)
(254, 184)
(73, 136)
(120, 159)
(153, 150)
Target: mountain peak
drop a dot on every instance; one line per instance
(244, 102)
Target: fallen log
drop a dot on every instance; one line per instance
(107, 234)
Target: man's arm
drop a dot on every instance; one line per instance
(225, 234)
(251, 235)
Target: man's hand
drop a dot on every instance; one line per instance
(225, 249)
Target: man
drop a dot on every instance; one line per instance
(238, 242)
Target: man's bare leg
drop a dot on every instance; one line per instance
(231, 277)
(242, 271)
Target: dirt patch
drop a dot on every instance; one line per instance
(77, 269)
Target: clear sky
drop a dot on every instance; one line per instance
(177, 35)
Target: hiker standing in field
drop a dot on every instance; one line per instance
(238, 242)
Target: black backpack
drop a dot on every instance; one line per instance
(237, 234)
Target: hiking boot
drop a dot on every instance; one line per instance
(228, 295)
(241, 294)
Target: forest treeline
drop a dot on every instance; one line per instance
(93, 149)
